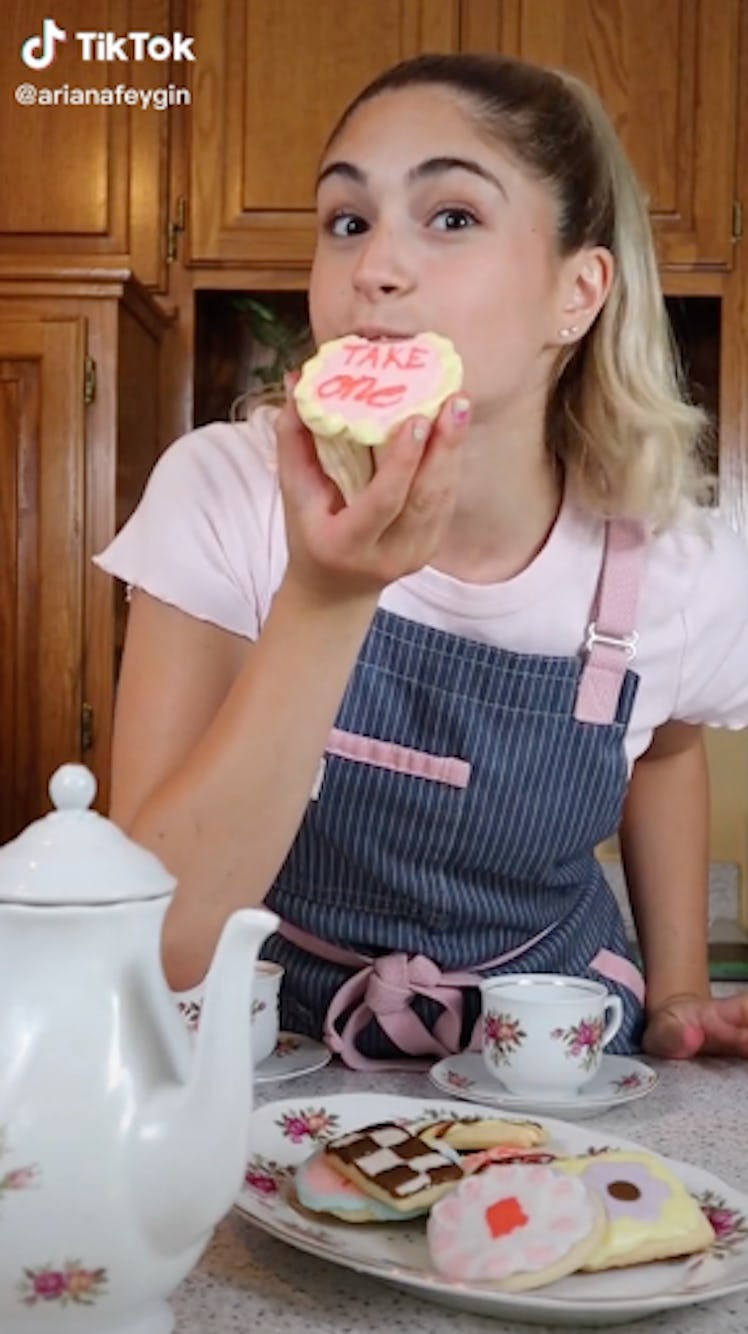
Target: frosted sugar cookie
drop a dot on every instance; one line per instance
(503, 1153)
(481, 1132)
(391, 1164)
(650, 1214)
(515, 1227)
(321, 1189)
(355, 391)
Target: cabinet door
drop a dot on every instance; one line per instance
(667, 73)
(41, 537)
(271, 77)
(86, 180)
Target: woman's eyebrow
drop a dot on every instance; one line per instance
(345, 169)
(437, 166)
(433, 166)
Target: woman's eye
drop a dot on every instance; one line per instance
(345, 224)
(453, 219)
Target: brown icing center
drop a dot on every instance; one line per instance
(624, 1190)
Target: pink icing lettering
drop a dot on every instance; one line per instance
(386, 396)
(368, 356)
(417, 358)
(349, 351)
(382, 356)
(361, 389)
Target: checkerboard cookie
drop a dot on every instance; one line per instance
(391, 1164)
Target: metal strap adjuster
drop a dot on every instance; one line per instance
(626, 642)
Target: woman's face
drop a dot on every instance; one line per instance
(426, 224)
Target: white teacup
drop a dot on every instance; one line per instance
(265, 1014)
(544, 1034)
(265, 1009)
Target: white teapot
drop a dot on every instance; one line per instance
(121, 1143)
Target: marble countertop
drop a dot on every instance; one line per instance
(247, 1280)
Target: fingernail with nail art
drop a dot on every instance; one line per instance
(460, 410)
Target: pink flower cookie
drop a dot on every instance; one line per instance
(514, 1227)
(355, 391)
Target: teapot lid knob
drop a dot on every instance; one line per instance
(75, 856)
(72, 787)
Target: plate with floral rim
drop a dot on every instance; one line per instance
(294, 1054)
(284, 1133)
(620, 1079)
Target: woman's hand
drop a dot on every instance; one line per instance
(391, 528)
(694, 1026)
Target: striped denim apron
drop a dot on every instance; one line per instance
(452, 831)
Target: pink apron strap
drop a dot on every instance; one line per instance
(618, 969)
(383, 989)
(611, 636)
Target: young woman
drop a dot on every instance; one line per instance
(405, 724)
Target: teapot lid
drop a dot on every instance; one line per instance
(75, 856)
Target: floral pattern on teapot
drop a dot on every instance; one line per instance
(16, 1178)
(72, 1283)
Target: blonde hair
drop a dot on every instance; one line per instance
(618, 417)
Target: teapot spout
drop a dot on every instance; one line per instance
(190, 1148)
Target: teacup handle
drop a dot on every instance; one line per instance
(614, 1005)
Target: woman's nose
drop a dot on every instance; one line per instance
(380, 268)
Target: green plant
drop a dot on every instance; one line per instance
(288, 337)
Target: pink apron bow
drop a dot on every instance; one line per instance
(383, 990)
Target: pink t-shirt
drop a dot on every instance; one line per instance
(208, 537)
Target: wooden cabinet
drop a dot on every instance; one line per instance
(89, 181)
(41, 555)
(271, 77)
(78, 433)
(668, 76)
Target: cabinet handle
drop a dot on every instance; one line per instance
(89, 380)
(87, 727)
(176, 226)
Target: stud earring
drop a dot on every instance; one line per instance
(568, 332)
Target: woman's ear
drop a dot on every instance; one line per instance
(585, 284)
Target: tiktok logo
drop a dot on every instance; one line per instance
(39, 52)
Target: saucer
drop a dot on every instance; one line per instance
(620, 1079)
(294, 1055)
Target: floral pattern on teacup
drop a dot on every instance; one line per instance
(190, 1011)
(16, 1178)
(584, 1040)
(312, 1123)
(72, 1283)
(502, 1036)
